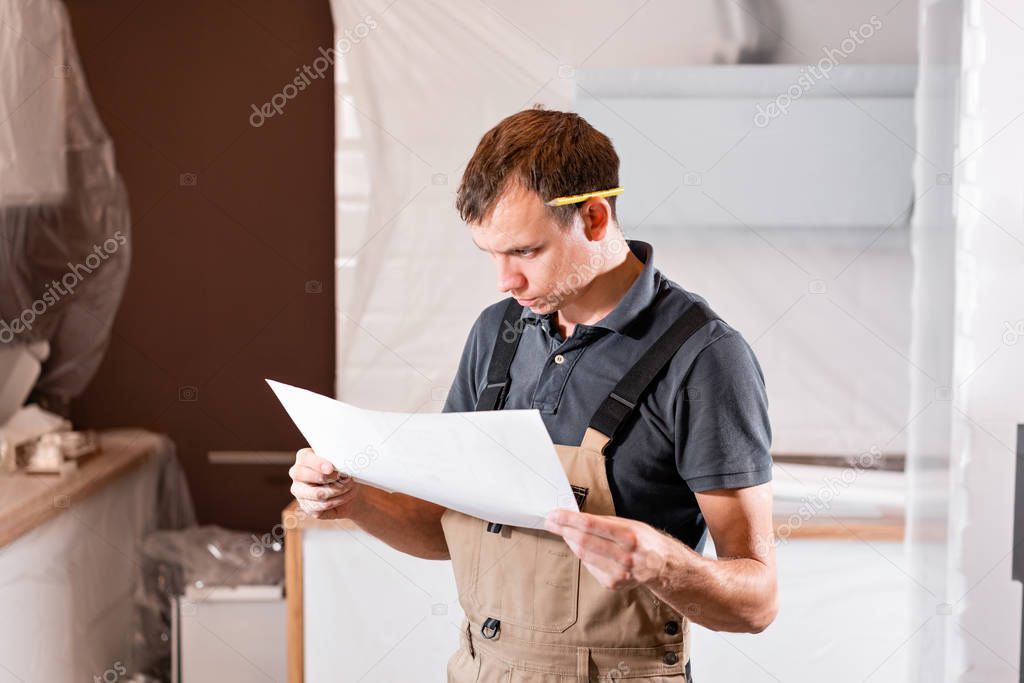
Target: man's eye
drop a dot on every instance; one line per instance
(524, 252)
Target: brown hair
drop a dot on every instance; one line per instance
(552, 153)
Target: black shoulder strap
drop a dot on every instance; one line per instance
(505, 345)
(613, 412)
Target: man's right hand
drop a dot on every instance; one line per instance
(321, 490)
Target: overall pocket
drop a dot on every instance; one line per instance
(527, 577)
(462, 534)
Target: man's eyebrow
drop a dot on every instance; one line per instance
(510, 249)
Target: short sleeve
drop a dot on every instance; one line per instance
(463, 393)
(723, 435)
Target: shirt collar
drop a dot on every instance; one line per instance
(637, 298)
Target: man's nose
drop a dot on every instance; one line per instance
(509, 277)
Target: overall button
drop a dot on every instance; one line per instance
(671, 627)
(559, 359)
(671, 658)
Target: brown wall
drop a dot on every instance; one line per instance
(217, 298)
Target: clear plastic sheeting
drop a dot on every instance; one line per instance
(411, 108)
(204, 558)
(826, 310)
(211, 556)
(64, 246)
(929, 432)
(418, 84)
(31, 103)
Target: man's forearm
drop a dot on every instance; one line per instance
(727, 594)
(408, 524)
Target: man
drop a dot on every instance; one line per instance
(659, 416)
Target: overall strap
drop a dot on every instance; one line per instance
(509, 333)
(624, 398)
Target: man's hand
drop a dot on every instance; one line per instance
(619, 552)
(408, 524)
(322, 491)
(736, 592)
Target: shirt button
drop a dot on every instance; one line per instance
(671, 627)
(559, 359)
(671, 658)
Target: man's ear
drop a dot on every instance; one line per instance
(596, 214)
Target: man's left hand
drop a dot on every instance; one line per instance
(619, 552)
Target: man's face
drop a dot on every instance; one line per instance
(543, 264)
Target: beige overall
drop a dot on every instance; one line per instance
(534, 613)
(557, 622)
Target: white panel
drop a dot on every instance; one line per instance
(232, 642)
(382, 615)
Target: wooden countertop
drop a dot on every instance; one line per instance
(29, 500)
(887, 528)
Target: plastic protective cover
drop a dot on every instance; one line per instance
(417, 88)
(64, 225)
(206, 558)
(210, 556)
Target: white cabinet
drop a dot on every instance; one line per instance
(373, 614)
(229, 635)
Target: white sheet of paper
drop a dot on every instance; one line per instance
(497, 465)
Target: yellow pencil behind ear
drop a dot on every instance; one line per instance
(577, 198)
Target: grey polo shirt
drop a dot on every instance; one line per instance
(703, 424)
